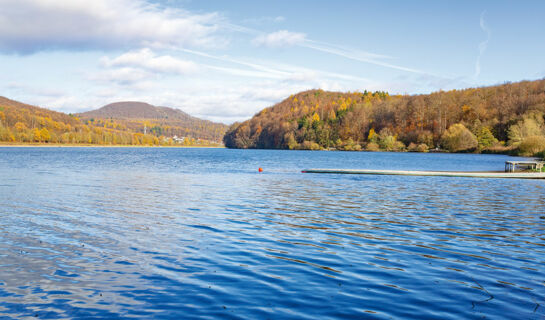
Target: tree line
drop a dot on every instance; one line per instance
(206, 130)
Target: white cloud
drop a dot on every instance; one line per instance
(256, 83)
(282, 38)
(151, 44)
(33, 25)
(148, 60)
(121, 76)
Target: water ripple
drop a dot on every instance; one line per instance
(198, 233)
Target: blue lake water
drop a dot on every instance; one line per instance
(199, 233)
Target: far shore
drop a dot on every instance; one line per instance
(68, 145)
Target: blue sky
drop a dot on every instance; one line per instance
(226, 60)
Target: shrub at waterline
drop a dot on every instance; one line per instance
(531, 146)
(458, 138)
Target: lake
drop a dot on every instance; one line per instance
(199, 233)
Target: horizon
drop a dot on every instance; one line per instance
(258, 111)
(226, 61)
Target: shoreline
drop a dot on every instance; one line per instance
(68, 145)
(63, 145)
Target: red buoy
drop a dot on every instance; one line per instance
(260, 169)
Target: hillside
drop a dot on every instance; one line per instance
(496, 118)
(143, 117)
(23, 123)
(14, 111)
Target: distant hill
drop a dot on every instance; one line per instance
(494, 118)
(23, 123)
(144, 117)
(136, 110)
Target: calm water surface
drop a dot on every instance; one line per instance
(199, 233)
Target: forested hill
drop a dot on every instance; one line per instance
(23, 123)
(14, 111)
(502, 117)
(144, 117)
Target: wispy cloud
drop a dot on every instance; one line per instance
(482, 46)
(282, 38)
(236, 61)
(244, 73)
(263, 20)
(272, 70)
(356, 55)
(345, 51)
(285, 38)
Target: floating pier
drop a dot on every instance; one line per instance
(472, 174)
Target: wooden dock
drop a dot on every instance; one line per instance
(511, 166)
(469, 174)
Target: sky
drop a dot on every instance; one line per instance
(226, 60)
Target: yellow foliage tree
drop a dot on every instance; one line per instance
(19, 126)
(332, 115)
(372, 134)
(36, 135)
(45, 135)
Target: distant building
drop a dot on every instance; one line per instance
(178, 140)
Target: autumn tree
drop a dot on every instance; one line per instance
(45, 136)
(37, 137)
(20, 127)
(485, 138)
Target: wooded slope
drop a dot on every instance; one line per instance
(496, 117)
